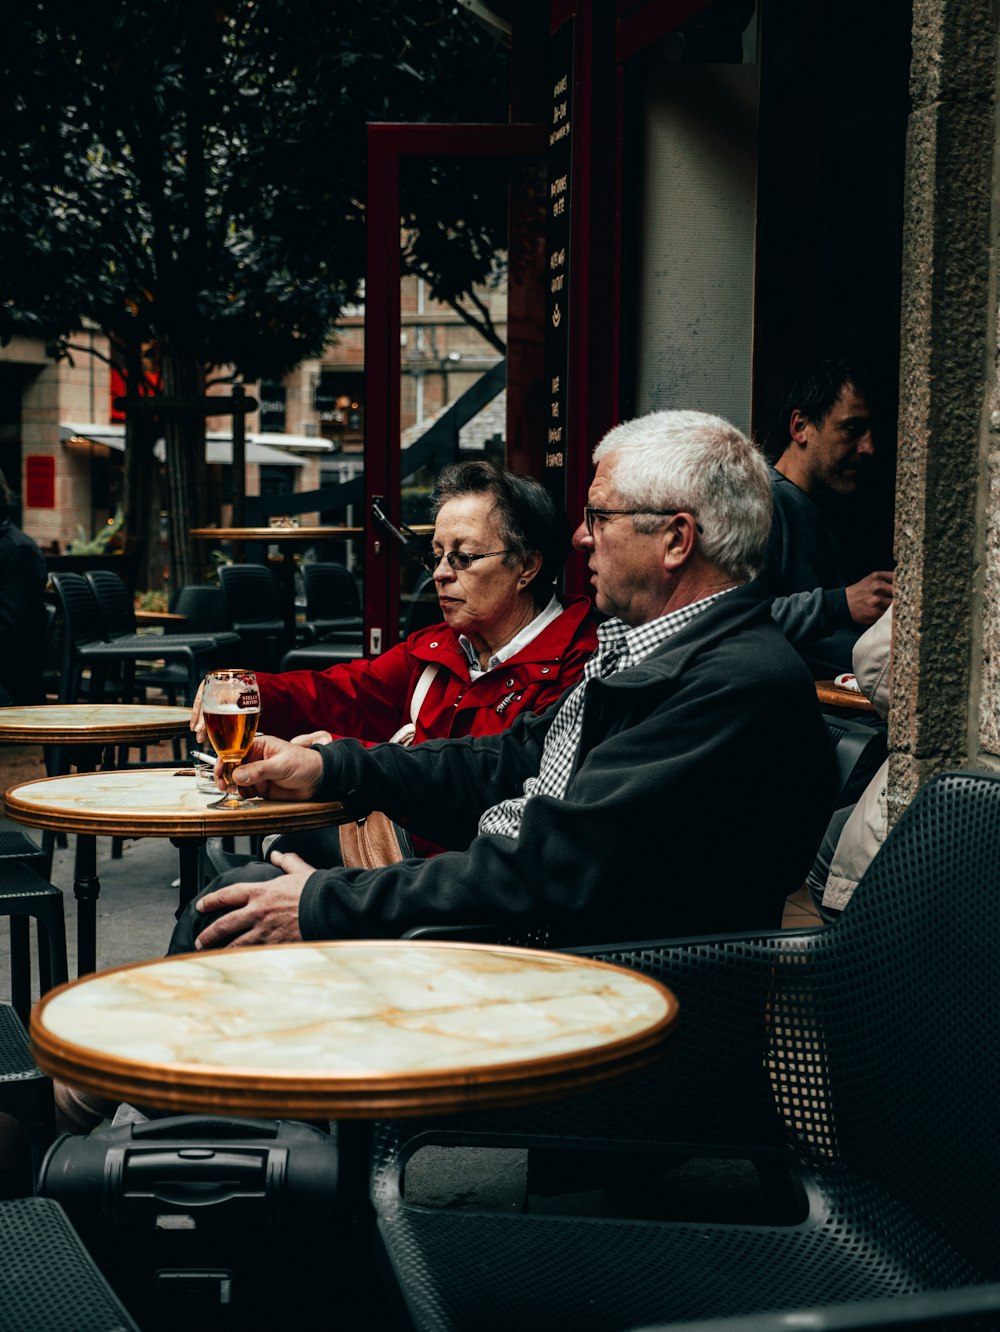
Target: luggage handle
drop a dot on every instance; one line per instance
(196, 1126)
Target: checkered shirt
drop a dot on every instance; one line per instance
(618, 648)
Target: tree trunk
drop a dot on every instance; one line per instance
(141, 491)
(184, 432)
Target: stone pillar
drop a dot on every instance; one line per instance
(946, 649)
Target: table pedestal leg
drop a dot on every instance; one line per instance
(187, 850)
(86, 890)
(357, 1220)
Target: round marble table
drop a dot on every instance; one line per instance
(146, 802)
(354, 1031)
(351, 1030)
(77, 733)
(93, 724)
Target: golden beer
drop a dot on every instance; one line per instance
(231, 713)
(231, 733)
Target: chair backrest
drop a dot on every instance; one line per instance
(81, 617)
(114, 603)
(870, 1047)
(204, 606)
(251, 592)
(331, 592)
(859, 751)
(80, 626)
(890, 1024)
(420, 614)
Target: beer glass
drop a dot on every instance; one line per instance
(230, 706)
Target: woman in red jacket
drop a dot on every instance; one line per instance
(506, 644)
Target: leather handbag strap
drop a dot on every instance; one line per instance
(405, 734)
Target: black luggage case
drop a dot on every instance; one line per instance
(205, 1222)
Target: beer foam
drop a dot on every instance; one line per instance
(231, 708)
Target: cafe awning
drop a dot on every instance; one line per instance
(260, 449)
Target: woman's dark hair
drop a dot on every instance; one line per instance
(528, 518)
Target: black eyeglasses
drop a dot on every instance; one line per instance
(458, 559)
(589, 515)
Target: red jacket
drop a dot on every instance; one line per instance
(370, 699)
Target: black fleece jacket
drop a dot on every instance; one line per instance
(702, 784)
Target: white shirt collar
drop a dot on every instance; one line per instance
(530, 631)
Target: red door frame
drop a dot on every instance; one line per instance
(387, 144)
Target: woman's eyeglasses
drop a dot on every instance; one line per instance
(458, 559)
(590, 515)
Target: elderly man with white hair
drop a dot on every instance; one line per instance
(683, 786)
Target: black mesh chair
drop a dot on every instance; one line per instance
(50, 1283)
(26, 895)
(857, 1067)
(973, 1308)
(204, 608)
(85, 647)
(333, 604)
(25, 1091)
(860, 751)
(423, 608)
(118, 623)
(253, 603)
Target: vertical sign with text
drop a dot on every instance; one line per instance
(557, 234)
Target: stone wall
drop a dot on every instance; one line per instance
(946, 649)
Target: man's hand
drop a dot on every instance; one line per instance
(279, 770)
(197, 722)
(868, 600)
(312, 738)
(257, 913)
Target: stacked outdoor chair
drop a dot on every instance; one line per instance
(87, 647)
(118, 623)
(857, 1066)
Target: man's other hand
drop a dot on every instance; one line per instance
(257, 913)
(868, 600)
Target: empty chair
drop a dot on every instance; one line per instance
(333, 604)
(118, 621)
(859, 751)
(25, 894)
(204, 608)
(854, 1066)
(25, 1091)
(85, 647)
(51, 1283)
(253, 601)
(423, 609)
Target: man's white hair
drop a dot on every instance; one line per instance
(704, 465)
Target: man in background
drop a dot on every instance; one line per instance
(818, 603)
